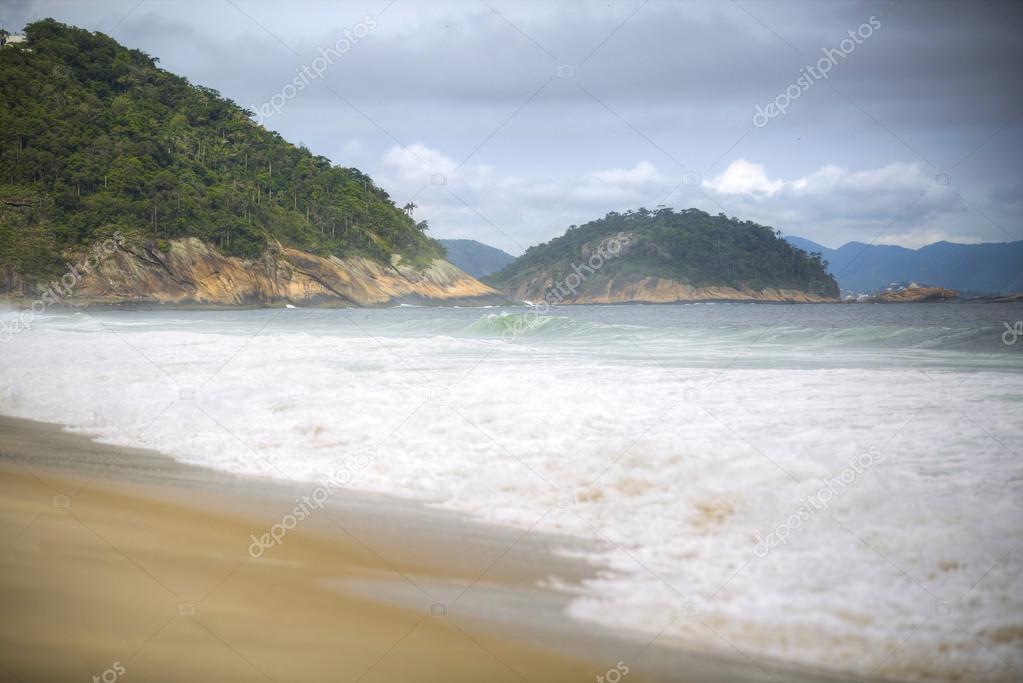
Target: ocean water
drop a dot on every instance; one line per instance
(838, 485)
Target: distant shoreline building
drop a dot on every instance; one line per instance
(14, 39)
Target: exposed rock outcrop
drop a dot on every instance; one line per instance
(193, 273)
(652, 290)
(915, 294)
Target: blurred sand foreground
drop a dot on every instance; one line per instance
(121, 564)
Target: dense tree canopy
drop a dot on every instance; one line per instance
(690, 246)
(94, 138)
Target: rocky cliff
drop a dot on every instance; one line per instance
(190, 272)
(652, 290)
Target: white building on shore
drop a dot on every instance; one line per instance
(14, 39)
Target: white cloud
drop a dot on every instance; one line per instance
(744, 177)
(417, 162)
(643, 173)
(821, 180)
(899, 203)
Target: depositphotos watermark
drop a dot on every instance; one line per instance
(820, 500)
(810, 74)
(315, 69)
(1012, 333)
(560, 290)
(61, 288)
(613, 675)
(115, 671)
(305, 505)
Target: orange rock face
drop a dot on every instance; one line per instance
(193, 273)
(656, 290)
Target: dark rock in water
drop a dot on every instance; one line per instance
(915, 294)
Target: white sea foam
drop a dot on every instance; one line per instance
(673, 449)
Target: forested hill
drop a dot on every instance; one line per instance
(94, 138)
(668, 255)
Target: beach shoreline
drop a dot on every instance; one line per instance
(125, 555)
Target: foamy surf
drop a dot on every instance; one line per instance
(695, 446)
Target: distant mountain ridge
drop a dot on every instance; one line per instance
(475, 258)
(990, 268)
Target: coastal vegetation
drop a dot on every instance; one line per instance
(689, 246)
(95, 138)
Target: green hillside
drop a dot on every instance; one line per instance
(94, 138)
(689, 246)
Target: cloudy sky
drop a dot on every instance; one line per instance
(507, 122)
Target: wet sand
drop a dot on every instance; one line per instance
(118, 562)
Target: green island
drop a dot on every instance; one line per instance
(665, 255)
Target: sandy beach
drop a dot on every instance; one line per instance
(122, 562)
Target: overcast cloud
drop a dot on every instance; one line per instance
(508, 121)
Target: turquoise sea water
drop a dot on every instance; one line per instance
(833, 484)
